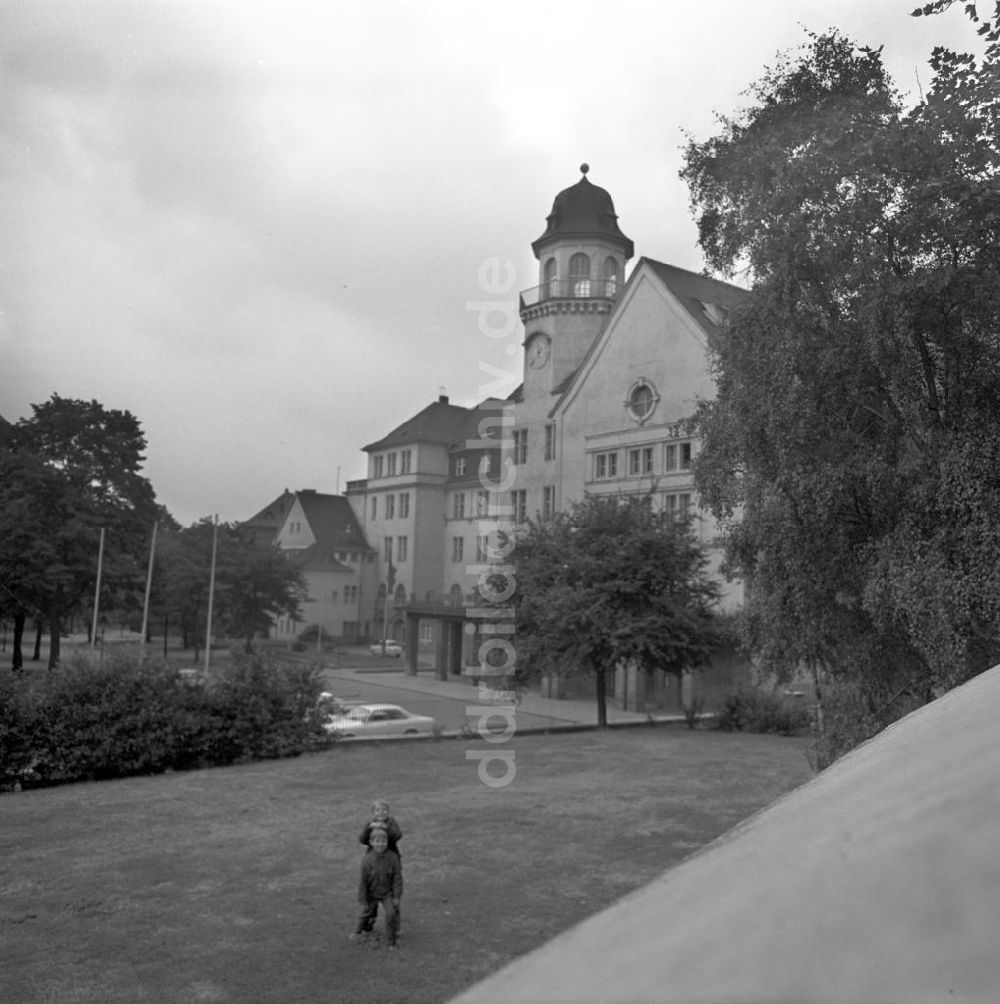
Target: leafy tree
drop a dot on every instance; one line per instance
(608, 582)
(853, 444)
(69, 470)
(253, 584)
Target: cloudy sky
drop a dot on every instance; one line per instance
(259, 225)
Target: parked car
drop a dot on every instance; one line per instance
(392, 648)
(378, 720)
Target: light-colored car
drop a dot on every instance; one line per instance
(378, 720)
(392, 648)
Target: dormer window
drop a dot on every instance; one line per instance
(716, 314)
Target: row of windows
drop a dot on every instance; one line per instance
(390, 508)
(580, 267)
(641, 460)
(673, 502)
(473, 504)
(384, 465)
(462, 465)
(399, 553)
(350, 595)
(521, 444)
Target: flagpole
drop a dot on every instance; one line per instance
(97, 590)
(211, 594)
(149, 585)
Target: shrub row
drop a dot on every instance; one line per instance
(758, 711)
(124, 718)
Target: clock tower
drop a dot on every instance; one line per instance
(581, 271)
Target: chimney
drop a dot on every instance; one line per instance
(442, 398)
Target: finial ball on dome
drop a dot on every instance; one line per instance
(584, 168)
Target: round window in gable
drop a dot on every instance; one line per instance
(642, 400)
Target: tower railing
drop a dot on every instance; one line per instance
(573, 288)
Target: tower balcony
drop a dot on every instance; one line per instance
(571, 289)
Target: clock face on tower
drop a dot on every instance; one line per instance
(538, 352)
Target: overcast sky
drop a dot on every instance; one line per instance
(259, 226)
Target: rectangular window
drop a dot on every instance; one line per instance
(387, 549)
(374, 507)
(485, 463)
(390, 506)
(548, 502)
(482, 549)
(457, 548)
(460, 467)
(378, 466)
(550, 442)
(519, 503)
(482, 503)
(402, 545)
(405, 459)
(391, 465)
(404, 505)
(333, 596)
(640, 461)
(520, 446)
(647, 460)
(458, 505)
(677, 457)
(605, 465)
(427, 631)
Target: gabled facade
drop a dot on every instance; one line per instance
(613, 368)
(321, 534)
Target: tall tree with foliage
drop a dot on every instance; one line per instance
(71, 469)
(612, 581)
(254, 585)
(854, 445)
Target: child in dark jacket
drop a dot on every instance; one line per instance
(381, 882)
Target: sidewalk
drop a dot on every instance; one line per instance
(564, 712)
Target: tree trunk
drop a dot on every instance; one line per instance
(602, 700)
(17, 659)
(55, 633)
(39, 630)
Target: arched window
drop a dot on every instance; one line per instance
(399, 598)
(549, 287)
(579, 274)
(455, 598)
(610, 276)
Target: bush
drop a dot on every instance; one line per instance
(126, 717)
(757, 711)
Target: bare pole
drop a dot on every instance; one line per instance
(149, 585)
(211, 593)
(97, 590)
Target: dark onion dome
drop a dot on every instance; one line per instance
(582, 210)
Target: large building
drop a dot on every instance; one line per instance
(612, 369)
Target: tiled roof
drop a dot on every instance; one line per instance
(265, 524)
(439, 422)
(708, 301)
(335, 527)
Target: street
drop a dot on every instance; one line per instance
(394, 688)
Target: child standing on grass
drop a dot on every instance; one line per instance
(381, 882)
(382, 820)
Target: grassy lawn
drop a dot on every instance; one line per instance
(238, 884)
